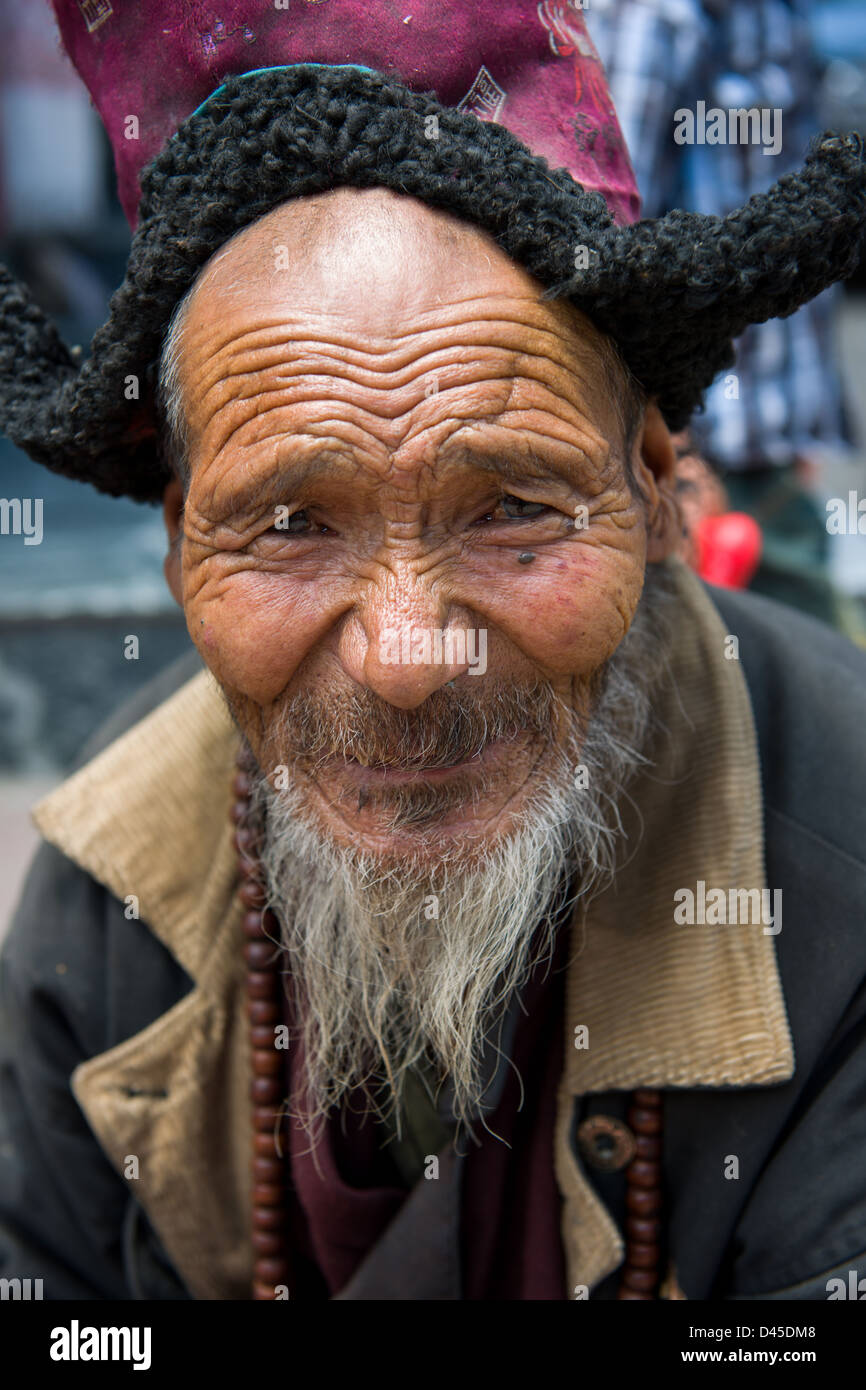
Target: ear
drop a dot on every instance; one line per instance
(172, 512)
(654, 463)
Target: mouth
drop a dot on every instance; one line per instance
(381, 774)
(395, 808)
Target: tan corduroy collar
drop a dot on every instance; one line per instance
(662, 1004)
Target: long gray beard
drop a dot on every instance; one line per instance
(398, 964)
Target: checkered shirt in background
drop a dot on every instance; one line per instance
(661, 55)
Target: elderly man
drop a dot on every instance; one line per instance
(451, 892)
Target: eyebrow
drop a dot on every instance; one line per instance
(513, 464)
(509, 464)
(264, 487)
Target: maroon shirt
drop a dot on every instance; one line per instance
(348, 1190)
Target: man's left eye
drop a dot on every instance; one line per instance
(518, 506)
(515, 509)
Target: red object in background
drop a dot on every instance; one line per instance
(728, 549)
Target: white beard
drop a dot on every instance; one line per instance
(400, 963)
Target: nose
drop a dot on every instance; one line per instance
(403, 641)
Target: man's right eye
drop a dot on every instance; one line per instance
(298, 521)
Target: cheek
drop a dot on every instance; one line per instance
(571, 612)
(253, 630)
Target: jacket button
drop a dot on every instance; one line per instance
(606, 1143)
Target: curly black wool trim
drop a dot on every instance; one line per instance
(672, 292)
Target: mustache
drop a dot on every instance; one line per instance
(451, 726)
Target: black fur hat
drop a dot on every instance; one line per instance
(672, 292)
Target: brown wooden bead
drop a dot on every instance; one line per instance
(268, 1194)
(269, 1218)
(240, 811)
(259, 954)
(252, 894)
(263, 1010)
(264, 1146)
(242, 784)
(251, 926)
(264, 1037)
(263, 1293)
(268, 1063)
(644, 1173)
(271, 1269)
(651, 1098)
(643, 1202)
(245, 843)
(268, 1169)
(643, 1280)
(261, 984)
(644, 1121)
(648, 1146)
(641, 1256)
(265, 1118)
(640, 1228)
(633, 1296)
(268, 1242)
(265, 1090)
(270, 923)
(248, 868)
(254, 923)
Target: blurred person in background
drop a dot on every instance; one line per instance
(768, 420)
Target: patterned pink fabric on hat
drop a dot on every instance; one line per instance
(532, 67)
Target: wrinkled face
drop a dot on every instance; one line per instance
(407, 514)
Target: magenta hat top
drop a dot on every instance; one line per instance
(531, 67)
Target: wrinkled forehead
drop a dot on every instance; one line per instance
(360, 303)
